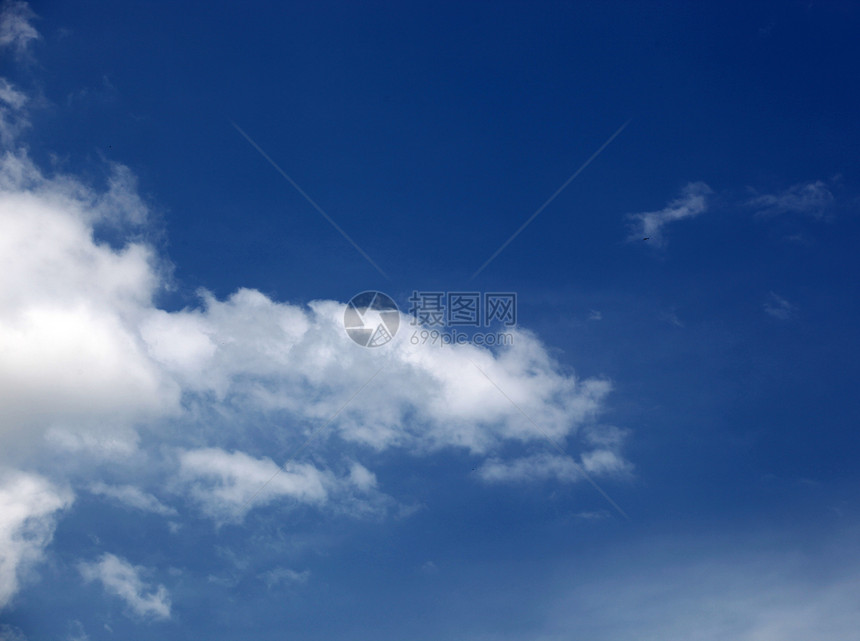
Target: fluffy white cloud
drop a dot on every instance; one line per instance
(692, 202)
(122, 579)
(28, 510)
(78, 326)
(71, 353)
(272, 356)
(90, 362)
(87, 351)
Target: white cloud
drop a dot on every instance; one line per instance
(540, 467)
(284, 576)
(226, 485)
(270, 356)
(812, 199)
(28, 507)
(120, 578)
(68, 306)
(533, 468)
(598, 515)
(132, 497)
(88, 355)
(691, 203)
(16, 32)
(12, 118)
(77, 632)
(90, 362)
(778, 307)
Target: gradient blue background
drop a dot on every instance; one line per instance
(430, 132)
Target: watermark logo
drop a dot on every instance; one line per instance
(443, 317)
(463, 309)
(371, 319)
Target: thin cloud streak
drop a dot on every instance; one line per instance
(550, 199)
(309, 199)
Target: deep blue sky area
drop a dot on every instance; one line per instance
(430, 132)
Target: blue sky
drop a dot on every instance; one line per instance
(192, 446)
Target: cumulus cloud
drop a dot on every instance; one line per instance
(90, 363)
(28, 511)
(778, 307)
(278, 357)
(120, 578)
(72, 355)
(88, 352)
(86, 345)
(811, 199)
(89, 358)
(692, 202)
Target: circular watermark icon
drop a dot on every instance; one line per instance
(371, 319)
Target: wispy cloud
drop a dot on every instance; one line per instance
(672, 318)
(540, 467)
(16, 30)
(120, 578)
(11, 633)
(811, 199)
(753, 592)
(28, 510)
(227, 484)
(133, 497)
(284, 576)
(13, 119)
(599, 515)
(692, 202)
(778, 307)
